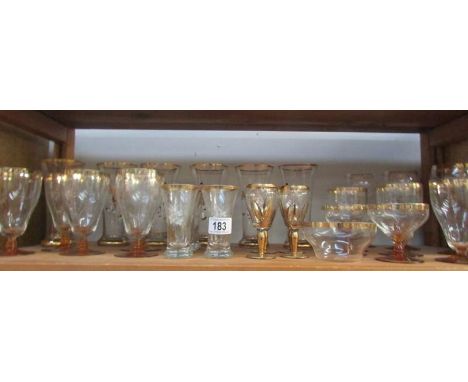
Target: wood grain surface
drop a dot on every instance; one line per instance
(48, 261)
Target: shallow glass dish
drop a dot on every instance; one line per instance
(339, 241)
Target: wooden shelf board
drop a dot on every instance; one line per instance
(48, 261)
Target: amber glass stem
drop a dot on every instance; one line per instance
(293, 241)
(65, 241)
(82, 245)
(11, 246)
(138, 247)
(262, 238)
(399, 250)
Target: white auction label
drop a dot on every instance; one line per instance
(219, 226)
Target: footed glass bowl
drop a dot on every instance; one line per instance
(339, 241)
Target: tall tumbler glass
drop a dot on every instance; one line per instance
(113, 232)
(19, 193)
(169, 172)
(54, 166)
(219, 202)
(206, 174)
(180, 202)
(297, 175)
(250, 173)
(137, 195)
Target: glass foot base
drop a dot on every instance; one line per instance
(218, 254)
(256, 256)
(301, 244)
(19, 252)
(50, 243)
(156, 243)
(112, 243)
(388, 259)
(454, 259)
(130, 255)
(298, 256)
(74, 252)
(248, 243)
(410, 254)
(178, 253)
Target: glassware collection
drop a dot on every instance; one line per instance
(142, 206)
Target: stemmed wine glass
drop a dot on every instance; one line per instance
(85, 192)
(19, 193)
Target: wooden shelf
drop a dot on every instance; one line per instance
(42, 261)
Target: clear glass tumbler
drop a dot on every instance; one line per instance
(365, 180)
(219, 201)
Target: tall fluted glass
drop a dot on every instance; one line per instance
(249, 173)
(113, 232)
(137, 196)
(19, 193)
(262, 201)
(85, 193)
(219, 201)
(180, 202)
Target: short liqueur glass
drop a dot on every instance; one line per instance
(137, 194)
(339, 241)
(399, 176)
(85, 192)
(348, 195)
(219, 201)
(206, 174)
(262, 200)
(249, 173)
(365, 180)
(300, 174)
(400, 193)
(449, 199)
(399, 221)
(19, 193)
(52, 166)
(169, 171)
(113, 233)
(180, 202)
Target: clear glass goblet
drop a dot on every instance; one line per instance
(449, 199)
(261, 200)
(295, 206)
(219, 201)
(85, 193)
(137, 195)
(113, 231)
(180, 202)
(51, 166)
(249, 173)
(399, 221)
(19, 193)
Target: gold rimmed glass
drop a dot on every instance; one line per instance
(399, 221)
(348, 195)
(365, 180)
(249, 173)
(401, 176)
(449, 199)
(295, 205)
(400, 193)
(19, 193)
(85, 193)
(180, 202)
(113, 232)
(339, 241)
(169, 171)
(219, 201)
(262, 201)
(54, 235)
(137, 196)
(205, 173)
(346, 213)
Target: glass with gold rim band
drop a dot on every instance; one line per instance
(113, 233)
(299, 174)
(348, 195)
(346, 212)
(400, 193)
(49, 166)
(365, 180)
(169, 171)
(295, 205)
(19, 193)
(262, 201)
(205, 173)
(248, 173)
(219, 201)
(339, 241)
(399, 221)
(180, 203)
